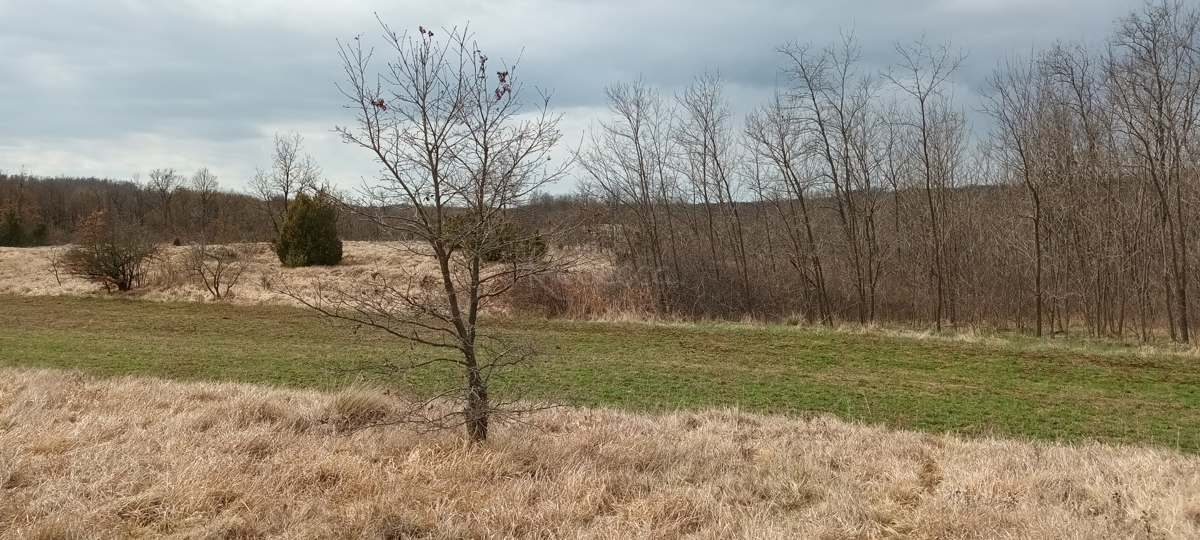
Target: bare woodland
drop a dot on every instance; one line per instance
(852, 195)
(860, 196)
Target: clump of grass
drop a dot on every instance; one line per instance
(128, 462)
(593, 291)
(356, 408)
(1191, 510)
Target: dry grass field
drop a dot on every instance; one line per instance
(83, 457)
(31, 271)
(592, 290)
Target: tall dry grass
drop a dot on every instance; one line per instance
(32, 271)
(84, 458)
(593, 293)
(591, 290)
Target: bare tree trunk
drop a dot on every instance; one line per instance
(922, 74)
(838, 118)
(1154, 79)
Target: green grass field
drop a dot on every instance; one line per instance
(1017, 386)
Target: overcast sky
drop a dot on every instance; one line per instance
(113, 88)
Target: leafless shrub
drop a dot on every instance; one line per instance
(291, 173)
(56, 264)
(110, 254)
(218, 267)
(599, 294)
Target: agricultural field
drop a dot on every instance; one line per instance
(662, 429)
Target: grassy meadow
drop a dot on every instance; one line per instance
(1067, 391)
(161, 414)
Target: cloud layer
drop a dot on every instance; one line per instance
(112, 88)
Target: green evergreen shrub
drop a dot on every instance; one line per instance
(516, 244)
(309, 235)
(13, 233)
(10, 230)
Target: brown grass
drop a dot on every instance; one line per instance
(31, 271)
(590, 290)
(82, 457)
(141, 458)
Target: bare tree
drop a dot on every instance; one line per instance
(164, 186)
(455, 152)
(1154, 82)
(710, 162)
(290, 173)
(776, 135)
(937, 131)
(204, 184)
(1017, 98)
(628, 162)
(834, 103)
(1110, 203)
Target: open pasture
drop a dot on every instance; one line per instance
(1006, 387)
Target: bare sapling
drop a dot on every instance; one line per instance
(218, 267)
(455, 152)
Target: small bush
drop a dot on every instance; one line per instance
(504, 240)
(309, 234)
(111, 255)
(218, 267)
(13, 233)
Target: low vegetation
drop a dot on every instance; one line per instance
(309, 234)
(113, 255)
(181, 272)
(146, 458)
(691, 455)
(1068, 391)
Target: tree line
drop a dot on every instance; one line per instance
(168, 205)
(853, 195)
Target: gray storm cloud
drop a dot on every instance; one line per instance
(111, 88)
